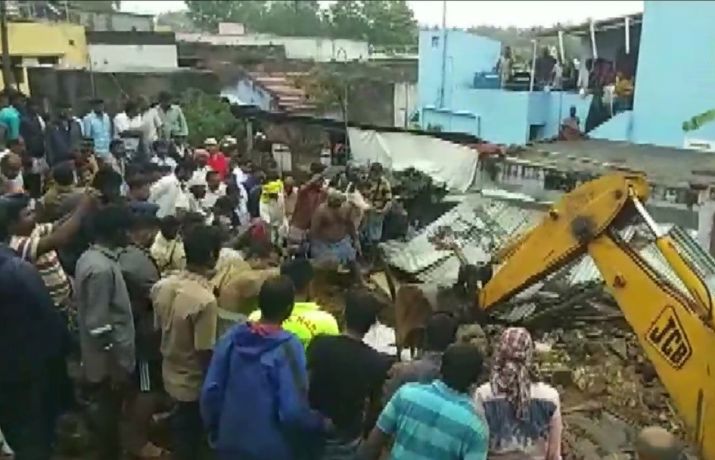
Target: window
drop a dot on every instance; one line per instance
(435, 41)
(47, 60)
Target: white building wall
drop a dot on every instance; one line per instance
(404, 103)
(306, 48)
(125, 58)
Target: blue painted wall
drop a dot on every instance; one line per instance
(676, 70)
(466, 54)
(492, 114)
(675, 81)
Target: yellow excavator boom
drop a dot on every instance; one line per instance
(674, 328)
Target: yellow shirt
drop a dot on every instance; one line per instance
(306, 321)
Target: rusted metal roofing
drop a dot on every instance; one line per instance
(482, 224)
(289, 97)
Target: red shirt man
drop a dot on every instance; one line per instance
(217, 160)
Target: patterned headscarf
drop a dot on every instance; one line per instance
(510, 369)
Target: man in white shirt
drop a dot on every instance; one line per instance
(161, 154)
(201, 158)
(196, 192)
(151, 121)
(129, 120)
(167, 192)
(215, 189)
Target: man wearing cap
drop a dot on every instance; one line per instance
(197, 192)
(97, 126)
(217, 160)
(140, 274)
(201, 158)
(63, 136)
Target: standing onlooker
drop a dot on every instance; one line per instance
(260, 368)
(333, 236)
(186, 311)
(63, 194)
(151, 121)
(310, 195)
(346, 376)
(196, 193)
(128, 120)
(38, 244)
(168, 192)
(217, 160)
(524, 417)
(11, 169)
(63, 136)
(438, 419)
(9, 115)
(379, 195)
(161, 154)
(307, 320)
(504, 66)
(253, 202)
(140, 274)
(138, 188)
(440, 333)
(290, 196)
(168, 248)
(106, 324)
(173, 122)
(97, 126)
(32, 129)
(30, 339)
(201, 163)
(215, 189)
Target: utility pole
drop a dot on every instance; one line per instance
(444, 54)
(7, 76)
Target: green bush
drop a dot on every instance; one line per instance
(209, 116)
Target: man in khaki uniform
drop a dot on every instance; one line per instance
(186, 311)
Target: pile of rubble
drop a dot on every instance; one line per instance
(586, 349)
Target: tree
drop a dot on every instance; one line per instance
(347, 19)
(390, 23)
(208, 116)
(177, 21)
(293, 18)
(381, 22)
(208, 13)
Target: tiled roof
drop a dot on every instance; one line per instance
(281, 85)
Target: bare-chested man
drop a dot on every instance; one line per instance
(332, 234)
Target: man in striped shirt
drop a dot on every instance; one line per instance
(436, 420)
(38, 243)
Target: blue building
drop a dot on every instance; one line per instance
(671, 50)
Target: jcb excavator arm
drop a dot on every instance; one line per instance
(674, 328)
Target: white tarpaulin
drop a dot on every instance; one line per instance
(444, 161)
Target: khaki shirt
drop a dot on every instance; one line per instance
(185, 311)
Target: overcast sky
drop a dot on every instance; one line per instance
(472, 13)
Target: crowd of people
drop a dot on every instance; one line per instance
(129, 252)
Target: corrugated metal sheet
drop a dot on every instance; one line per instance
(482, 224)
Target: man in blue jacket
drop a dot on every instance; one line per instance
(254, 399)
